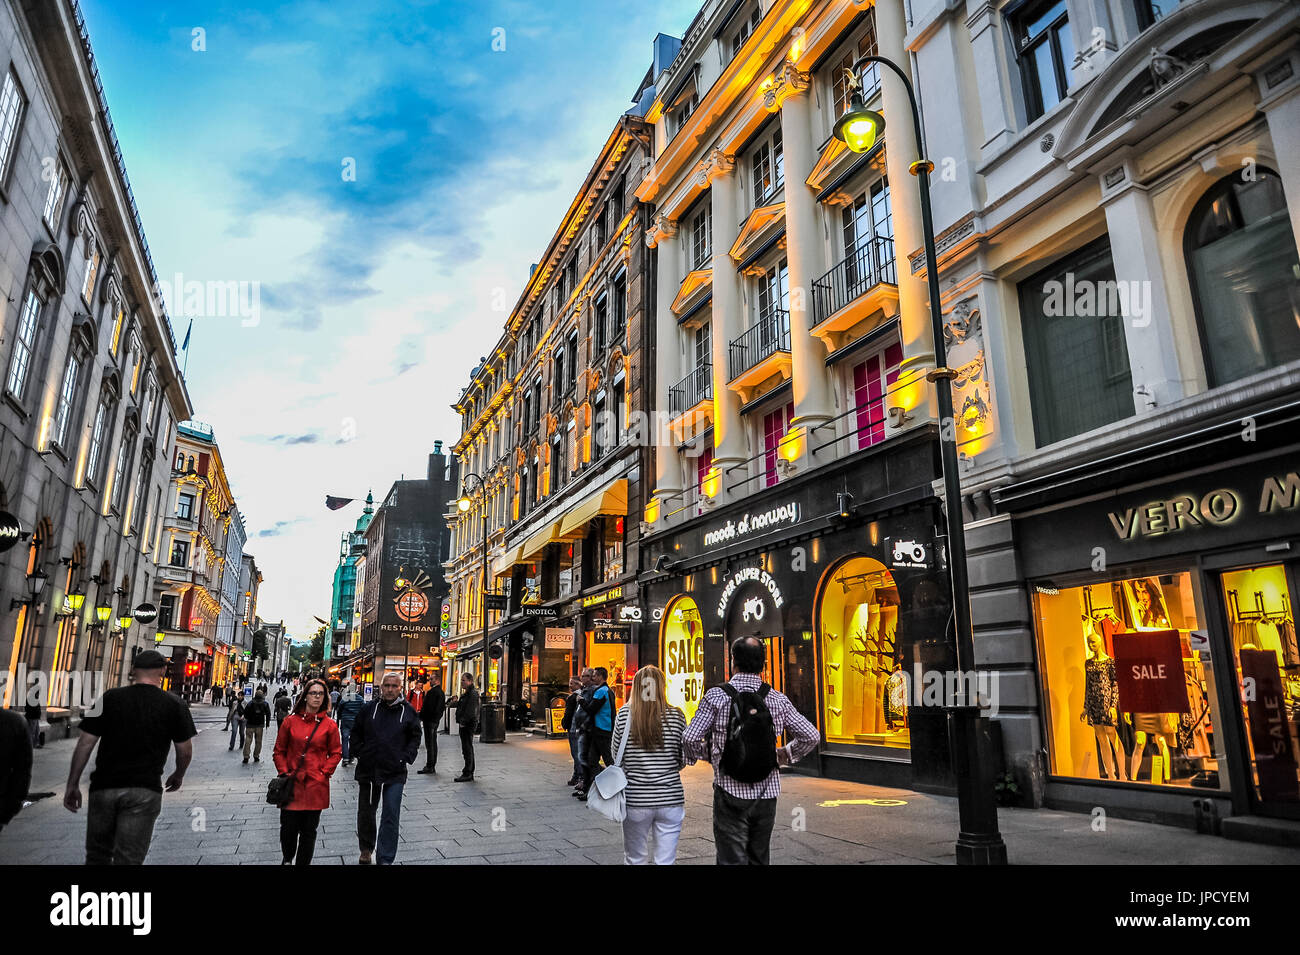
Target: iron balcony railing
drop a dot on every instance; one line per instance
(691, 390)
(771, 334)
(868, 265)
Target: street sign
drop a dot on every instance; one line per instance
(369, 692)
(10, 531)
(146, 613)
(248, 692)
(495, 601)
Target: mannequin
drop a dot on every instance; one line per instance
(1100, 699)
(1159, 727)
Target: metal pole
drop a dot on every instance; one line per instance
(979, 842)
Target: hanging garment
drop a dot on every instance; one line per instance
(1268, 638)
(1290, 650)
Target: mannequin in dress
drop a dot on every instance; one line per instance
(1100, 705)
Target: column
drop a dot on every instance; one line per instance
(663, 238)
(728, 308)
(914, 393)
(812, 396)
(1140, 279)
(986, 40)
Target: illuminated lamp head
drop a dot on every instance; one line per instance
(859, 127)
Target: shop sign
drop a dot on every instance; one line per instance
(657, 614)
(607, 631)
(1149, 670)
(145, 613)
(604, 597)
(558, 638)
(10, 531)
(783, 515)
(909, 553)
(495, 601)
(1270, 731)
(1219, 506)
(629, 614)
(556, 714)
(763, 579)
(540, 611)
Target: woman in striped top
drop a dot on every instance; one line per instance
(653, 762)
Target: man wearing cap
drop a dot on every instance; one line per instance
(138, 725)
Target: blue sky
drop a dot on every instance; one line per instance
(376, 295)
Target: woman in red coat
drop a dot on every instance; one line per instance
(308, 732)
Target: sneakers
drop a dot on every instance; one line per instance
(463, 778)
(572, 781)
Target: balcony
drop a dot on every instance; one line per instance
(863, 284)
(761, 352)
(695, 388)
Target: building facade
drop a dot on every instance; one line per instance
(345, 637)
(92, 389)
(555, 426)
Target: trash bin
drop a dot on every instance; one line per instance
(493, 723)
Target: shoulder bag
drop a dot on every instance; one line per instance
(608, 794)
(279, 791)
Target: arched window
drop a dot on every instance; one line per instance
(1245, 275)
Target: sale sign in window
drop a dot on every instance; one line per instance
(1149, 670)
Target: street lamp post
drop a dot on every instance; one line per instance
(979, 842)
(464, 504)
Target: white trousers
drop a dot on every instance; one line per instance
(666, 826)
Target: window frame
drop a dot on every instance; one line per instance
(29, 320)
(1025, 44)
(10, 132)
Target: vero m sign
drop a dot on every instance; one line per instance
(1214, 508)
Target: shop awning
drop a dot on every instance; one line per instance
(506, 561)
(540, 539)
(611, 500)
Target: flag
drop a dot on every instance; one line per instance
(186, 344)
(334, 503)
(320, 621)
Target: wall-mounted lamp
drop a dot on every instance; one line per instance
(35, 587)
(845, 500)
(898, 416)
(664, 563)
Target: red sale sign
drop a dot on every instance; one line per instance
(1149, 670)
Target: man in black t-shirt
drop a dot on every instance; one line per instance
(138, 725)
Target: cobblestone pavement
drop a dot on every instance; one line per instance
(518, 811)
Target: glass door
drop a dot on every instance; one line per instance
(1261, 628)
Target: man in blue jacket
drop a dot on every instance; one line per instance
(385, 740)
(600, 709)
(350, 706)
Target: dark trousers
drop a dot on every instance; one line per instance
(575, 750)
(383, 843)
(430, 744)
(345, 734)
(742, 828)
(298, 834)
(119, 825)
(597, 750)
(467, 749)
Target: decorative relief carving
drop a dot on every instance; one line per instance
(788, 81)
(963, 335)
(663, 228)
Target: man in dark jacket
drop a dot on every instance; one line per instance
(385, 739)
(15, 764)
(350, 706)
(467, 712)
(431, 710)
(257, 714)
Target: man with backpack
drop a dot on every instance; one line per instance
(736, 728)
(282, 704)
(599, 730)
(257, 714)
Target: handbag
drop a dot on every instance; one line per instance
(279, 791)
(608, 794)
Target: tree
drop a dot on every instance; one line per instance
(316, 655)
(259, 646)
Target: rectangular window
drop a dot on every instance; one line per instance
(866, 46)
(1075, 350)
(24, 344)
(873, 379)
(619, 412)
(616, 201)
(599, 229)
(67, 397)
(767, 164)
(775, 425)
(703, 464)
(612, 559)
(600, 427)
(1045, 50)
(167, 612)
(97, 437)
(703, 345)
(54, 197)
(558, 473)
(599, 318)
(701, 244)
(185, 507)
(13, 104)
(88, 287)
(572, 282)
(119, 472)
(619, 314)
(573, 357)
(180, 556)
(747, 28)
(559, 374)
(141, 498)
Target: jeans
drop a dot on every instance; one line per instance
(597, 749)
(742, 828)
(666, 824)
(298, 834)
(430, 744)
(119, 824)
(372, 795)
(237, 726)
(345, 734)
(254, 734)
(467, 749)
(575, 750)
(34, 730)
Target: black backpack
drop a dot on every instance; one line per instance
(749, 755)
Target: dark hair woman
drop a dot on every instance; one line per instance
(308, 748)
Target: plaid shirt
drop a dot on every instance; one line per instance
(707, 735)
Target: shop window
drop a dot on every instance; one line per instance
(570, 569)
(873, 382)
(1261, 621)
(1128, 698)
(1045, 50)
(1245, 275)
(775, 425)
(1076, 355)
(612, 558)
(865, 688)
(605, 648)
(682, 653)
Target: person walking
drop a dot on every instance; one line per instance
(15, 765)
(308, 748)
(235, 719)
(568, 725)
(600, 708)
(138, 724)
(582, 722)
(32, 712)
(432, 707)
(257, 714)
(744, 810)
(282, 704)
(385, 740)
(350, 705)
(335, 697)
(648, 736)
(467, 717)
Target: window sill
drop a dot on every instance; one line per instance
(16, 404)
